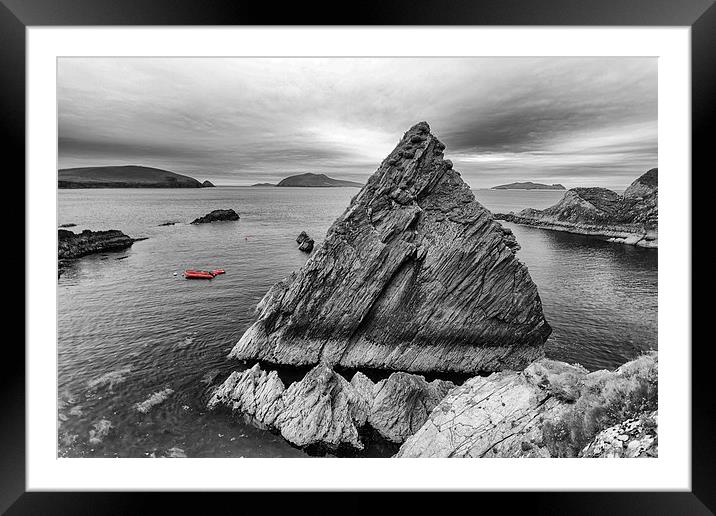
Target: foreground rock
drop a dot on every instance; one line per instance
(400, 404)
(325, 411)
(631, 218)
(551, 409)
(634, 438)
(217, 215)
(415, 276)
(72, 245)
(305, 242)
(321, 410)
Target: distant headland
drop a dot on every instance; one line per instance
(127, 176)
(528, 185)
(312, 180)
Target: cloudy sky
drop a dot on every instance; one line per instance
(238, 121)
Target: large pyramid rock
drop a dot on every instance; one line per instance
(414, 276)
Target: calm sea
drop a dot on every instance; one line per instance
(131, 313)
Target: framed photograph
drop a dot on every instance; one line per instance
(419, 252)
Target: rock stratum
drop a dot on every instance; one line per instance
(529, 185)
(630, 218)
(72, 245)
(325, 411)
(127, 176)
(415, 276)
(550, 409)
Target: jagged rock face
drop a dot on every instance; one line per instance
(633, 438)
(551, 409)
(414, 276)
(254, 392)
(322, 409)
(631, 218)
(327, 411)
(74, 245)
(402, 403)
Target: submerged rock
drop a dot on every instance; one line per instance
(217, 215)
(551, 409)
(414, 276)
(110, 380)
(633, 438)
(152, 401)
(631, 218)
(100, 431)
(175, 453)
(72, 245)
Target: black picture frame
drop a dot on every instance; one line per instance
(700, 15)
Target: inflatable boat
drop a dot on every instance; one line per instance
(193, 274)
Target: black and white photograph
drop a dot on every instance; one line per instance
(357, 257)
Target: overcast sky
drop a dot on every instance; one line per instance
(575, 121)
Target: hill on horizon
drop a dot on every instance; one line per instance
(125, 176)
(316, 180)
(529, 185)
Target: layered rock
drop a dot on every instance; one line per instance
(401, 403)
(72, 245)
(217, 215)
(322, 410)
(326, 411)
(631, 218)
(414, 276)
(551, 409)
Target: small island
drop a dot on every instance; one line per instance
(312, 180)
(528, 185)
(127, 176)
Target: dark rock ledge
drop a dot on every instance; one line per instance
(217, 215)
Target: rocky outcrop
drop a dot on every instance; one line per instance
(401, 404)
(305, 242)
(72, 245)
(253, 392)
(551, 409)
(414, 276)
(207, 184)
(323, 410)
(631, 218)
(633, 438)
(217, 215)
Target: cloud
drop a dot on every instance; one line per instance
(246, 120)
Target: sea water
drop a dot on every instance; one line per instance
(129, 324)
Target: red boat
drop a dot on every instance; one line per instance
(218, 271)
(194, 274)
